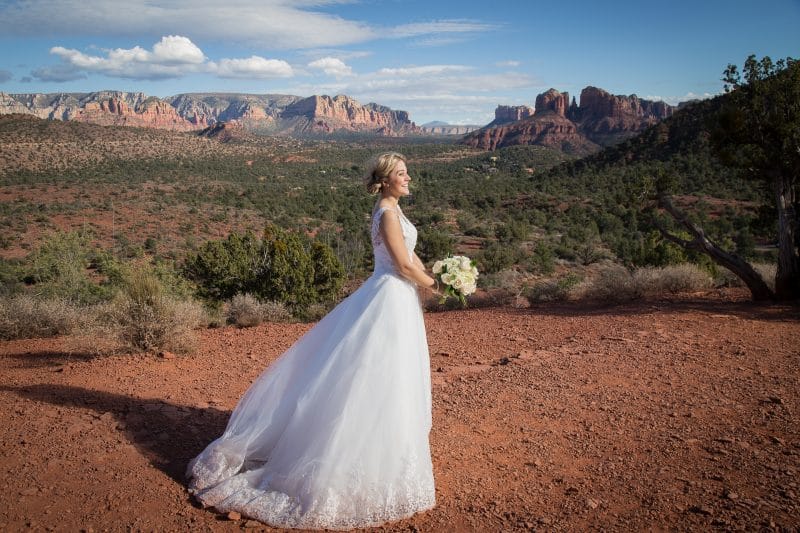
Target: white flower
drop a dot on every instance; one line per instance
(465, 263)
(437, 267)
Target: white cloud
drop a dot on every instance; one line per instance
(342, 54)
(176, 49)
(253, 67)
(173, 56)
(281, 24)
(270, 23)
(423, 70)
(509, 63)
(439, 27)
(332, 66)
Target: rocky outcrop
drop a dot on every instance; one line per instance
(442, 128)
(281, 114)
(137, 110)
(607, 119)
(553, 101)
(106, 108)
(325, 114)
(545, 129)
(224, 131)
(602, 119)
(505, 114)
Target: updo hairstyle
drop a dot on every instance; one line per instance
(379, 168)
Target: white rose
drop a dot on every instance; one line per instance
(458, 283)
(437, 267)
(465, 263)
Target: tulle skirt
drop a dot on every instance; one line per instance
(334, 434)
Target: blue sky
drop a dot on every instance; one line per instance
(453, 61)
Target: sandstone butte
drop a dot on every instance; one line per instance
(601, 119)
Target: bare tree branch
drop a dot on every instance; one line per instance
(701, 243)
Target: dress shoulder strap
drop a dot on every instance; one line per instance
(381, 210)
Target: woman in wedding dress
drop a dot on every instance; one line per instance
(334, 434)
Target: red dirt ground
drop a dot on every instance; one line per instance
(662, 415)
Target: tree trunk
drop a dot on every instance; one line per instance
(758, 288)
(787, 279)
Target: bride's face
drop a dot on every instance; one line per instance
(397, 183)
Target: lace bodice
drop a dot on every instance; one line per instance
(383, 260)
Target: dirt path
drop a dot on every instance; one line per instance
(675, 415)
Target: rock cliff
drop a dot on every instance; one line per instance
(554, 101)
(117, 110)
(279, 114)
(443, 128)
(325, 114)
(107, 108)
(607, 119)
(602, 119)
(505, 114)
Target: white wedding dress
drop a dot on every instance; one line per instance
(334, 434)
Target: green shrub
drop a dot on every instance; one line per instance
(59, 268)
(543, 259)
(328, 272)
(282, 267)
(434, 245)
(11, 273)
(496, 257)
(225, 268)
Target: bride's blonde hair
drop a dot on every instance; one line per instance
(379, 168)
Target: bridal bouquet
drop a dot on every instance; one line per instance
(458, 275)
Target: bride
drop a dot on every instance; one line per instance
(334, 434)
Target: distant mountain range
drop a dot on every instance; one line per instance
(268, 114)
(600, 120)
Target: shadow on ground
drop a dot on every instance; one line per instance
(168, 435)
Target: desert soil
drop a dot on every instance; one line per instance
(661, 415)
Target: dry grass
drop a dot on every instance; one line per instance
(25, 316)
(613, 283)
(245, 310)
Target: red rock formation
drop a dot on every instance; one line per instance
(224, 131)
(606, 118)
(545, 129)
(553, 100)
(325, 115)
(601, 120)
(505, 114)
(448, 129)
(114, 110)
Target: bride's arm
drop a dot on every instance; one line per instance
(392, 235)
(417, 261)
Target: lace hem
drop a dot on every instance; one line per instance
(338, 510)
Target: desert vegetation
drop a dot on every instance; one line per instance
(184, 230)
